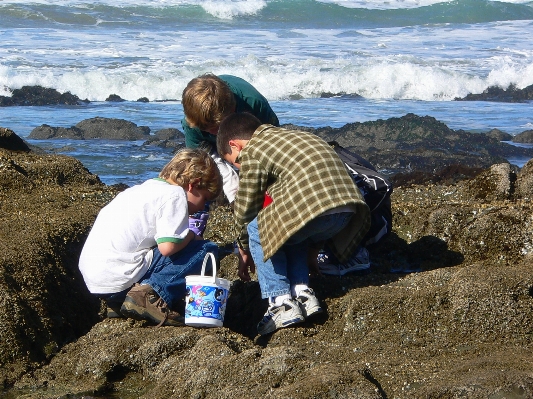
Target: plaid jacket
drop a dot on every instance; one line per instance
(305, 177)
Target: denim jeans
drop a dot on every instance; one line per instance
(166, 274)
(288, 266)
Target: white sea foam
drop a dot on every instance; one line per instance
(228, 9)
(384, 5)
(400, 4)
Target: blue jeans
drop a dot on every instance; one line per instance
(288, 266)
(166, 274)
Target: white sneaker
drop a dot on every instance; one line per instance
(360, 260)
(284, 315)
(309, 302)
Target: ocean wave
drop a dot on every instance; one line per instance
(376, 80)
(259, 13)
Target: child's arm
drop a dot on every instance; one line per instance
(246, 265)
(170, 248)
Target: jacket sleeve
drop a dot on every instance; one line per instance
(194, 137)
(250, 198)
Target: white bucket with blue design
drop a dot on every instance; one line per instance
(207, 296)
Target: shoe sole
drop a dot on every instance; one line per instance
(286, 323)
(313, 311)
(114, 314)
(132, 310)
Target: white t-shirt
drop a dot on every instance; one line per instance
(118, 250)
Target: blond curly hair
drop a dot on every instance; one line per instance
(193, 166)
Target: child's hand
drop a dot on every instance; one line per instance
(246, 265)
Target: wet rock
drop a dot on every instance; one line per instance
(422, 144)
(114, 129)
(94, 128)
(10, 141)
(524, 137)
(45, 132)
(495, 93)
(404, 145)
(341, 94)
(38, 95)
(460, 326)
(169, 134)
(114, 98)
(167, 138)
(499, 135)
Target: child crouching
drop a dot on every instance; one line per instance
(140, 248)
(314, 200)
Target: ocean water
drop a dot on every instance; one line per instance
(398, 56)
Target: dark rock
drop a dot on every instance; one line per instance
(10, 141)
(341, 94)
(420, 144)
(113, 129)
(167, 138)
(94, 128)
(494, 93)
(143, 100)
(45, 132)
(37, 95)
(114, 98)
(499, 135)
(169, 134)
(524, 137)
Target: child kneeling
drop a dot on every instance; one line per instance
(314, 200)
(140, 247)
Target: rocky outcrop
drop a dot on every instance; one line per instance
(524, 137)
(396, 145)
(38, 95)
(461, 326)
(94, 128)
(422, 144)
(495, 93)
(499, 135)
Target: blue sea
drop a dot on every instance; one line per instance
(399, 56)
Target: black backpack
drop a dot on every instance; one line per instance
(375, 188)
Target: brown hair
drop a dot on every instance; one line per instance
(241, 126)
(206, 101)
(194, 166)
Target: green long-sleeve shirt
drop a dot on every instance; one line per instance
(305, 178)
(247, 99)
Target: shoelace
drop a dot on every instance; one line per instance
(161, 305)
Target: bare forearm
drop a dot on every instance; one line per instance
(170, 248)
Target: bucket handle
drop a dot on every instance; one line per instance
(211, 256)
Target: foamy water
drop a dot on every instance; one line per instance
(400, 56)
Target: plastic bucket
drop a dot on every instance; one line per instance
(207, 296)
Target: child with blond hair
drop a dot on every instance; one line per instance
(140, 247)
